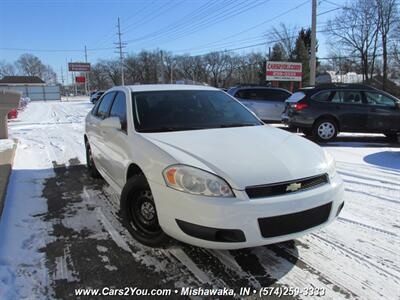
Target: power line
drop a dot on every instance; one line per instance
(237, 9)
(191, 17)
(120, 46)
(271, 41)
(259, 24)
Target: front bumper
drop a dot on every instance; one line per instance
(239, 213)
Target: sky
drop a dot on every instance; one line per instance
(57, 30)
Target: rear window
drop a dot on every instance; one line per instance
(296, 97)
(263, 94)
(323, 96)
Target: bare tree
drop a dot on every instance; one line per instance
(6, 69)
(30, 65)
(219, 67)
(286, 36)
(356, 30)
(388, 18)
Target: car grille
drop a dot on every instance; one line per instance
(286, 187)
(296, 222)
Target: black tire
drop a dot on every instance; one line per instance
(325, 130)
(139, 213)
(392, 136)
(90, 165)
(307, 132)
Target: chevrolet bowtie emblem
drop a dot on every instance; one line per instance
(293, 187)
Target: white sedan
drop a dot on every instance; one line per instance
(193, 163)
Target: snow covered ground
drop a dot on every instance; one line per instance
(61, 230)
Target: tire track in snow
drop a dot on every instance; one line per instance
(357, 175)
(374, 195)
(356, 255)
(341, 219)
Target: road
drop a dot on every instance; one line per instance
(61, 229)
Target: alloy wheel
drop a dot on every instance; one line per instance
(326, 130)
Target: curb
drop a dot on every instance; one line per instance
(5, 172)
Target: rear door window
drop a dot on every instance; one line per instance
(105, 104)
(349, 97)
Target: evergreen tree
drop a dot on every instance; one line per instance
(278, 53)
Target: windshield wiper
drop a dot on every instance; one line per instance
(237, 125)
(169, 128)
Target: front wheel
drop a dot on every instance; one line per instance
(139, 212)
(392, 136)
(325, 130)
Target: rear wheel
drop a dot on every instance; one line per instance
(392, 136)
(139, 212)
(325, 130)
(91, 167)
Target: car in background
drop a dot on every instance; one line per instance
(326, 110)
(193, 163)
(94, 96)
(267, 103)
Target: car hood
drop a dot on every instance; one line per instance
(244, 156)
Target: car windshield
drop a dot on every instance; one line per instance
(188, 110)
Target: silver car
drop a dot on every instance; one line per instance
(267, 103)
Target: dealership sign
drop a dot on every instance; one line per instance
(283, 71)
(79, 67)
(80, 79)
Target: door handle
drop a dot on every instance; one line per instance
(373, 109)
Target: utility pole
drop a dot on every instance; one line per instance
(162, 67)
(62, 77)
(87, 86)
(120, 46)
(172, 72)
(313, 43)
(66, 78)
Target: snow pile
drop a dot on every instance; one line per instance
(6, 144)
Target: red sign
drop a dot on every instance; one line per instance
(80, 79)
(79, 67)
(283, 71)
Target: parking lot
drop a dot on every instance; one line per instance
(63, 231)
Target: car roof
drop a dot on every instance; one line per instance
(166, 87)
(253, 87)
(338, 86)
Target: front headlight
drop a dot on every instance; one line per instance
(331, 164)
(196, 181)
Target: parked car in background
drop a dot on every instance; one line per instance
(94, 96)
(267, 103)
(325, 110)
(193, 163)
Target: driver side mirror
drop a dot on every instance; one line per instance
(397, 105)
(111, 122)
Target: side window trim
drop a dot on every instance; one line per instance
(96, 107)
(126, 109)
(101, 100)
